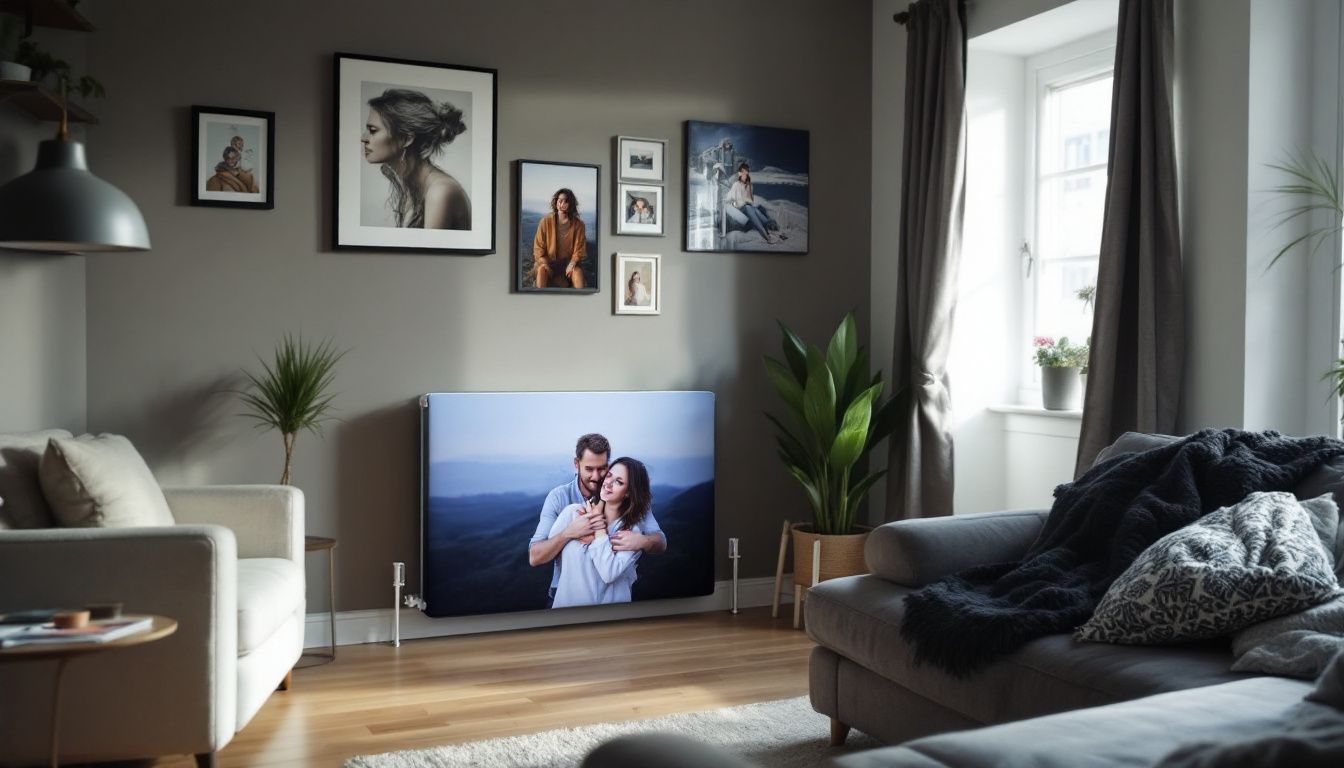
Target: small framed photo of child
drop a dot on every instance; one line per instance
(639, 209)
(639, 284)
(232, 161)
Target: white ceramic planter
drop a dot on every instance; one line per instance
(12, 71)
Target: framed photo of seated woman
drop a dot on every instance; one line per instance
(746, 188)
(557, 227)
(414, 156)
(232, 158)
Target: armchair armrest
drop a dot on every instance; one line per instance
(177, 694)
(913, 553)
(266, 520)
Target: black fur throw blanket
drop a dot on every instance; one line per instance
(1098, 525)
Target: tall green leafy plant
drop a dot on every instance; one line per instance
(836, 415)
(292, 392)
(1312, 187)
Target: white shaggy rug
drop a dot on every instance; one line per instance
(778, 734)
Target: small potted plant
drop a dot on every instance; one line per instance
(292, 393)
(836, 415)
(1060, 363)
(10, 67)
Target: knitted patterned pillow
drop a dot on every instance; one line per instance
(1234, 567)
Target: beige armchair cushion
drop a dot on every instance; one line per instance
(101, 482)
(21, 502)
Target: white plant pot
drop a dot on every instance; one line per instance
(1060, 389)
(12, 71)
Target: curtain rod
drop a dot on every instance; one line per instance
(901, 18)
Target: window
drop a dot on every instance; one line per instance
(1070, 117)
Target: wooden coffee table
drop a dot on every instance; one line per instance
(62, 653)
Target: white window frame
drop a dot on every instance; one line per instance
(1071, 64)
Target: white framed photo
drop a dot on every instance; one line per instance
(415, 156)
(638, 284)
(639, 209)
(640, 159)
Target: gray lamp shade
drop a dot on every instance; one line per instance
(59, 206)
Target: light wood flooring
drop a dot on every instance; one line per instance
(376, 698)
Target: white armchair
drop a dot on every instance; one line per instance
(230, 572)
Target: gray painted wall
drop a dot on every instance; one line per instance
(42, 359)
(168, 329)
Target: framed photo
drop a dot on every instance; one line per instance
(557, 227)
(746, 188)
(414, 155)
(639, 209)
(232, 158)
(640, 159)
(639, 284)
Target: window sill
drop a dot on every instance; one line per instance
(1033, 410)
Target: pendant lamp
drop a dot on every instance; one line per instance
(60, 207)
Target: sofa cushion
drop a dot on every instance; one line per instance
(101, 482)
(24, 506)
(1132, 733)
(270, 590)
(1234, 567)
(859, 617)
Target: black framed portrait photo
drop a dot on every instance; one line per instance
(414, 156)
(232, 158)
(558, 215)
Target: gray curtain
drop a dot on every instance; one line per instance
(1138, 351)
(932, 201)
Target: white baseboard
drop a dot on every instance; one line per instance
(375, 625)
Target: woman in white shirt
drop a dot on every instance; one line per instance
(743, 200)
(636, 293)
(593, 573)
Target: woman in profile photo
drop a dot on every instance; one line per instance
(742, 201)
(560, 244)
(593, 573)
(636, 293)
(640, 212)
(405, 129)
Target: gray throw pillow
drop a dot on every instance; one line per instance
(1239, 565)
(20, 456)
(101, 482)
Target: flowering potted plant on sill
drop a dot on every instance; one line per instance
(1060, 364)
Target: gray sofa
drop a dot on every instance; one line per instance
(862, 674)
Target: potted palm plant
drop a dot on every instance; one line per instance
(292, 392)
(836, 415)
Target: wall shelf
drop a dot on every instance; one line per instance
(48, 13)
(40, 103)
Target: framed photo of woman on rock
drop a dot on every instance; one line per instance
(746, 188)
(414, 156)
(232, 158)
(558, 215)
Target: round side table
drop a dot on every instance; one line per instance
(319, 544)
(62, 653)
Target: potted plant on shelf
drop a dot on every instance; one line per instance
(836, 415)
(10, 66)
(292, 392)
(1060, 364)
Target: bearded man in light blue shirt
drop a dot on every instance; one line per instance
(592, 453)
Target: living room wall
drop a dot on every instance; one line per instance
(168, 330)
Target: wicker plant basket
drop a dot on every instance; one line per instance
(841, 555)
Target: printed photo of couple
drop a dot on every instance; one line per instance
(558, 500)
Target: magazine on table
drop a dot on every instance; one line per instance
(94, 632)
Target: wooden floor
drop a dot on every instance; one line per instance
(376, 698)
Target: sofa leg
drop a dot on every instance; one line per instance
(287, 683)
(206, 760)
(838, 732)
